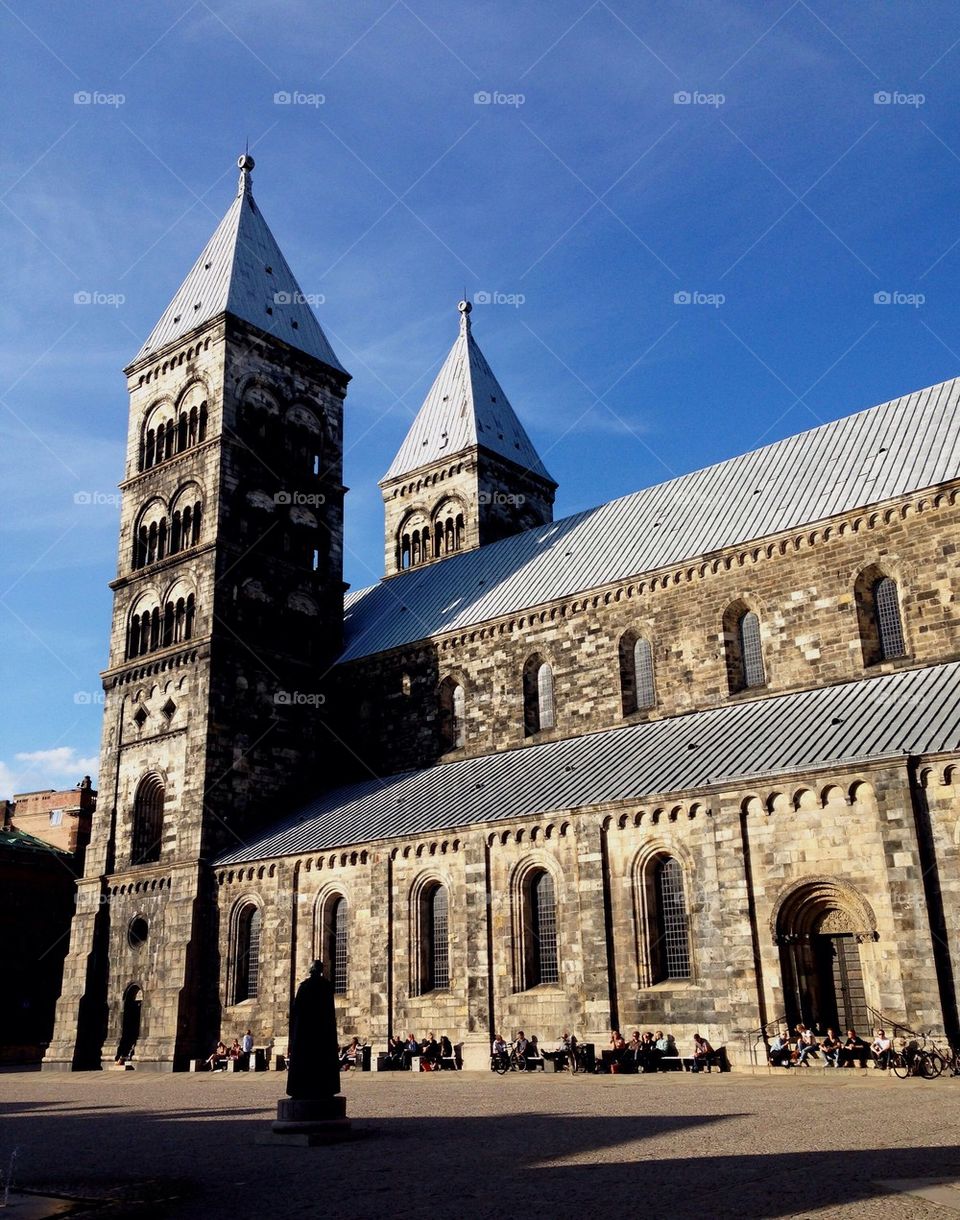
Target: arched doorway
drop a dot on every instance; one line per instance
(130, 1021)
(819, 926)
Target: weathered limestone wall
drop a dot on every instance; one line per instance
(801, 587)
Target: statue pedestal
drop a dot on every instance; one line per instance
(307, 1122)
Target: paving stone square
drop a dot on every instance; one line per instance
(182, 1146)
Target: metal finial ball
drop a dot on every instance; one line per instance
(246, 162)
(465, 307)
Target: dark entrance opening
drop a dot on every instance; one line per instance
(819, 936)
(130, 1022)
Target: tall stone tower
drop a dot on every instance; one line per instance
(228, 608)
(467, 473)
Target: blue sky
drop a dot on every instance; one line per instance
(687, 210)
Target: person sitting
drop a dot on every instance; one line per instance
(429, 1054)
(235, 1051)
(348, 1055)
(446, 1050)
(854, 1051)
(218, 1060)
(395, 1052)
(807, 1046)
(411, 1048)
(881, 1048)
(648, 1057)
(631, 1053)
(831, 1049)
(781, 1052)
(534, 1056)
(666, 1048)
(613, 1056)
(703, 1054)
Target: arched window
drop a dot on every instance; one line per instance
(539, 710)
(247, 970)
(335, 941)
(433, 936)
(147, 830)
(452, 711)
(665, 951)
(672, 915)
(743, 647)
(538, 900)
(878, 614)
(636, 674)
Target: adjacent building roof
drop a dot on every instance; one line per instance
(887, 451)
(243, 272)
(465, 407)
(910, 712)
(13, 840)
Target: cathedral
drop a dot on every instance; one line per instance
(687, 760)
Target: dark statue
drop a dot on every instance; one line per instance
(314, 1069)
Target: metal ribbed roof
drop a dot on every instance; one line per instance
(910, 712)
(243, 272)
(465, 407)
(898, 447)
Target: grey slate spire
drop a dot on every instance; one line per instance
(465, 407)
(243, 272)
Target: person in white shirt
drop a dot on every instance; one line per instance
(247, 1043)
(881, 1049)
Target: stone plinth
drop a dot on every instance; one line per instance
(305, 1122)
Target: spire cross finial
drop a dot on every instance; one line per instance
(245, 164)
(464, 308)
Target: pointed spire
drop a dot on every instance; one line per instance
(464, 408)
(242, 272)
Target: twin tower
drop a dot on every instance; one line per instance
(228, 614)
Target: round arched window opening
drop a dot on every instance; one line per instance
(137, 932)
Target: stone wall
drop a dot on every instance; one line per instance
(801, 586)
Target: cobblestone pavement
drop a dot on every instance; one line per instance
(471, 1145)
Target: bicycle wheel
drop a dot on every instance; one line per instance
(901, 1067)
(932, 1065)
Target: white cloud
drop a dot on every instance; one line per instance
(34, 770)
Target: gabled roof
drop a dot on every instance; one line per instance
(243, 272)
(18, 841)
(910, 712)
(887, 451)
(465, 407)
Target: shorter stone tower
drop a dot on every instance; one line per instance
(467, 473)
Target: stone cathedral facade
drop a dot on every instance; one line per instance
(687, 760)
